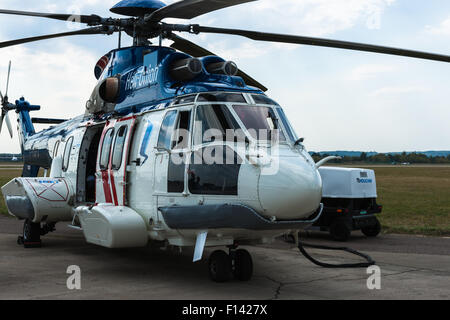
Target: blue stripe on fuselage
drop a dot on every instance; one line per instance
(144, 146)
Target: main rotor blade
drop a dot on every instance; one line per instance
(194, 50)
(8, 124)
(7, 79)
(189, 9)
(89, 19)
(89, 31)
(273, 37)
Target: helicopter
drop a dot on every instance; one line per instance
(176, 144)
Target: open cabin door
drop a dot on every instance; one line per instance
(111, 181)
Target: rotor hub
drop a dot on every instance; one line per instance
(137, 8)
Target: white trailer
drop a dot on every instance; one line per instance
(350, 202)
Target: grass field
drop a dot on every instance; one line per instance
(6, 174)
(416, 200)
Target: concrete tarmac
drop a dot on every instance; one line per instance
(411, 268)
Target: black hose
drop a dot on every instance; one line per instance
(370, 261)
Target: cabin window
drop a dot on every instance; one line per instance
(261, 122)
(165, 134)
(67, 150)
(119, 147)
(218, 178)
(213, 122)
(55, 149)
(106, 149)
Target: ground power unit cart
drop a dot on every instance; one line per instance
(350, 202)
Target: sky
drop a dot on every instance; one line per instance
(336, 99)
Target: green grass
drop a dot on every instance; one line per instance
(5, 177)
(416, 200)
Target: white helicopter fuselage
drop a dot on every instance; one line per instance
(119, 176)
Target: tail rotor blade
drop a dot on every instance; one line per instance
(7, 79)
(8, 124)
(1, 120)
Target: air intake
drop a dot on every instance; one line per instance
(186, 69)
(228, 68)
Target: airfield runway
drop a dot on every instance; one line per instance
(411, 268)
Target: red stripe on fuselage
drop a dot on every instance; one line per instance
(113, 187)
(106, 190)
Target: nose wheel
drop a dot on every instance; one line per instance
(32, 232)
(223, 266)
(31, 236)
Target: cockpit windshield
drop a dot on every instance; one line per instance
(261, 122)
(230, 117)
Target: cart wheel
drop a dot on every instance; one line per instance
(220, 266)
(373, 230)
(340, 231)
(243, 265)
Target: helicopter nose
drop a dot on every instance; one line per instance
(292, 192)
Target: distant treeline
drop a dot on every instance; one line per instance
(388, 158)
(10, 157)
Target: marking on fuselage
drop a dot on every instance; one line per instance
(144, 146)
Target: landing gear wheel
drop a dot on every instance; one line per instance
(340, 231)
(289, 238)
(220, 266)
(31, 235)
(243, 265)
(373, 230)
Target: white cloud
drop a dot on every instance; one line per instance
(369, 71)
(442, 29)
(321, 17)
(58, 81)
(400, 90)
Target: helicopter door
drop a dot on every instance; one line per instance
(112, 161)
(102, 181)
(124, 129)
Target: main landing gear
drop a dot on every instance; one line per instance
(32, 232)
(223, 266)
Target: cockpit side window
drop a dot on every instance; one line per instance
(290, 131)
(182, 133)
(213, 121)
(165, 134)
(261, 122)
(217, 178)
